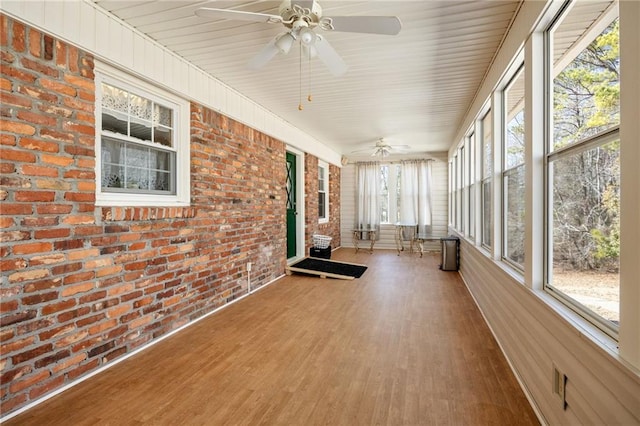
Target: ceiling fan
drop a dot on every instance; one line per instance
(383, 149)
(301, 18)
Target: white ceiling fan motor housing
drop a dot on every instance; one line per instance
(287, 12)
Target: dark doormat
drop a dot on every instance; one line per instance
(327, 268)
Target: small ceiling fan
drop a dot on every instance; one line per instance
(301, 18)
(383, 149)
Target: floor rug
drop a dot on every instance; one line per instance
(327, 268)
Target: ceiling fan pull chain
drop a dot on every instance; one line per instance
(300, 87)
(309, 98)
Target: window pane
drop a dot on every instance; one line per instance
(486, 213)
(162, 116)
(463, 191)
(487, 151)
(114, 122)
(112, 158)
(136, 167)
(586, 228)
(115, 99)
(321, 204)
(398, 186)
(487, 170)
(161, 182)
(586, 98)
(514, 109)
(472, 210)
(140, 107)
(471, 181)
(384, 194)
(322, 192)
(141, 130)
(514, 191)
(136, 116)
(321, 178)
(162, 135)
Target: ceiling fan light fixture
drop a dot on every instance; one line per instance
(284, 42)
(381, 151)
(307, 36)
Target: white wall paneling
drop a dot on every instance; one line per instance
(536, 334)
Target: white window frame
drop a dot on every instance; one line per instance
(323, 169)
(471, 182)
(554, 154)
(507, 171)
(486, 179)
(110, 75)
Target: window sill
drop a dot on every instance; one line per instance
(116, 214)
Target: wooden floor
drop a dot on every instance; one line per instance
(402, 345)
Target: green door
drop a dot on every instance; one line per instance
(291, 205)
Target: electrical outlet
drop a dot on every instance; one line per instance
(560, 385)
(248, 266)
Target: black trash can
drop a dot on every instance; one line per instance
(450, 253)
(323, 253)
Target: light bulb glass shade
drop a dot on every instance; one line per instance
(284, 43)
(307, 36)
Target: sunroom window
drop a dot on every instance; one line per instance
(584, 163)
(487, 172)
(471, 182)
(514, 172)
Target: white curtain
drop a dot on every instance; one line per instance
(368, 196)
(415, 194)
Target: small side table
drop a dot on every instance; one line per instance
(400, 235)
(421, 238)
(357, 237)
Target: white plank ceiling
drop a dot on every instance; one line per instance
(410, 89)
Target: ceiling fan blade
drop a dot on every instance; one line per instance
(305, 4)
(237, 15)
(362, 150)
(329, 56)
(386, 25)
(265, 55)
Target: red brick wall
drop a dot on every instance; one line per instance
(83, 285)
(332, 228)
